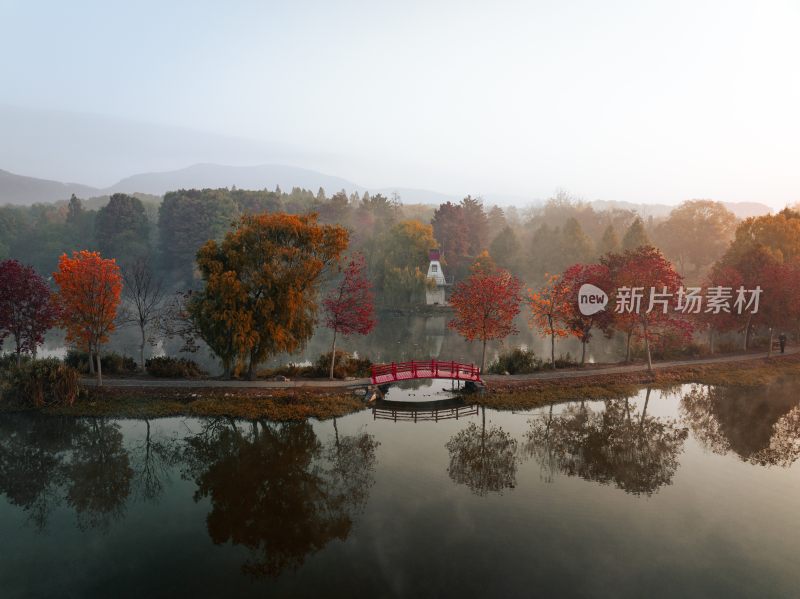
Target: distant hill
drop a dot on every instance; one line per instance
(244, 177)
(740, 209)
(18, 189)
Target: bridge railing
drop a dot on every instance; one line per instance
(424, 369)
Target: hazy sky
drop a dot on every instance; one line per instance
(637, 101)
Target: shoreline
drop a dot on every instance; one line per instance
(502, 392)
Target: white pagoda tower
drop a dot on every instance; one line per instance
(436, 295)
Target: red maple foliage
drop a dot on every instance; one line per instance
(579, 325)
(780, 309)
(720, 321)
(647, 272)
(27, 309)
(349, 306)
(486, 304)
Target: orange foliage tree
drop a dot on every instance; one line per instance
(261, 286)
(550, 310)
(486, 304)
(89, 294)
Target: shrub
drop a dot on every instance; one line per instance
(290, 370)
(167, 367)
(111, 362)
(9, 361)
(38, 383)
(516, 361)
(562, 361)
(346, 365)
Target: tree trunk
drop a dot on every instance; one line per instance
(333, 354)
(747, 332)
(251, 368)
(771, 339)
(483, 357)
(99, 371)
(141, 349)
(647, 347)
(628, 347)
(711, 341)
(91, 360)
(583, 352)
(552, 344)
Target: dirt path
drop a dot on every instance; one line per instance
(586, 372)
(489, 378)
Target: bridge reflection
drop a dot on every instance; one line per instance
(423, 411)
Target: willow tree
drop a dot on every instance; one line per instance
(261, 284)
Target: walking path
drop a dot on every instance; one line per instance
(489, 378)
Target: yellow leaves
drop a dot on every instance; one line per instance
(261, 284)
(550, 307)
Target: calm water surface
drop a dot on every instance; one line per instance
(691, 493)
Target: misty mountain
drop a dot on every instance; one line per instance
(18, 189)
(245, 177)
(99, 150)
(21, 190)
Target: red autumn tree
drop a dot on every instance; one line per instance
(349, 306)
(89, 294)
(27, 309)
(550, 310)
(645, 288)
(718, 321)
(779, 310)
(579, 325)
(486, 304)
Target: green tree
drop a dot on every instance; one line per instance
(396, 265)
(609, 243)
(576, 246)
(121, 228)
(635, 237)
(506, 250)
(186, 220)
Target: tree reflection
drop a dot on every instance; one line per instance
(483, 459)
(277, 490)
(46, 461)
(759, 425)
(152, 459)
(635, 452)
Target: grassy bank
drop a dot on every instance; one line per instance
(271, 404)
(516, 394)
(510, 394)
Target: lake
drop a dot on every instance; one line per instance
(396, 337)
(691, 492)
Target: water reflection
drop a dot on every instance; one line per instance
(275, 497)
(759, 425)
(485, 460)
(618, 445)
(275, 489)
(45, 462)
(153, 458)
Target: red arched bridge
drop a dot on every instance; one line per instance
(429, 369)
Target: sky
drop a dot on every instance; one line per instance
(635, 101)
